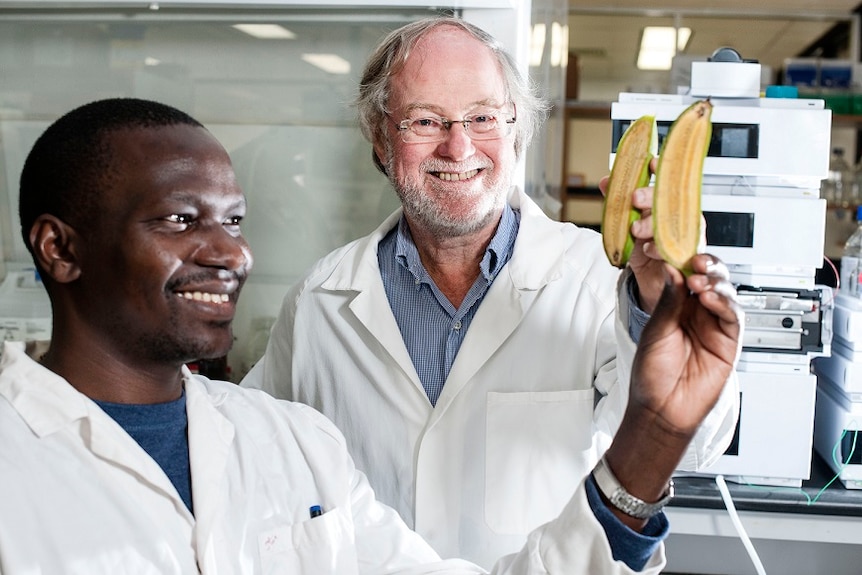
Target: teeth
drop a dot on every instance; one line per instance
(455, 176)
(201, 296)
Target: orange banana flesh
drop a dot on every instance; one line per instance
(676, 211)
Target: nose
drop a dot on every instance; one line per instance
(225, 249)
(458, 145)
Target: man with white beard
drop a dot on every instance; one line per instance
(476, 354)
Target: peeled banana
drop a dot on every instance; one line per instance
(676, 213)
(636, 149)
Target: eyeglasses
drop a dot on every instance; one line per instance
(487, 125)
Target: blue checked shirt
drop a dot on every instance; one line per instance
(431, 327)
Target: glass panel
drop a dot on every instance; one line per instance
(287, 123)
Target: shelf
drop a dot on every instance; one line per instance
(846, 121)
(588, 110)
(602, 111)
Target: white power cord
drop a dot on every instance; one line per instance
(737, 524)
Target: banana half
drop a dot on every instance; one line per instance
(676, 211)
(636, 149)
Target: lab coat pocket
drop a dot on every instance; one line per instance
(538, 450)
(323, 545)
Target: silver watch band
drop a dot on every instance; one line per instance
(622, 499)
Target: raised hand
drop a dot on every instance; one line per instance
(685, 355)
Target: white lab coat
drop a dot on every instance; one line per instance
(516, 427)
(79, 496)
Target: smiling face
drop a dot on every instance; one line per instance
(459, 185)
(163, 261)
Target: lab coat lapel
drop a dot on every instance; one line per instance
(110, 442)
(510, 296)
(211, 436)
(361, 274)
(54, 405)
(372, 309)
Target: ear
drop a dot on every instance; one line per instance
(56, 248)
(379, 157)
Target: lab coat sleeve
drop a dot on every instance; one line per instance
(715, 432)
(573, 543)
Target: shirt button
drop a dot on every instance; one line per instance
(457, 325)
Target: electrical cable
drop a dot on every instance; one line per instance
(835, 271)
(737, 524)
(839, 464)
(731, 508)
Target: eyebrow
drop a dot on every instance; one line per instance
(437, 109)
(194, 197)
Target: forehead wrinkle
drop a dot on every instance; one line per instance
(183, 166)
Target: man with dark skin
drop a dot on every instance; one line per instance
(115, 458)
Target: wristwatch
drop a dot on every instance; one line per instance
(622, 499)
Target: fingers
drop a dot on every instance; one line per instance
(642, 200)
(711, 282)
(710, 266)
(710, 274)
(672, 296)
(603, 185)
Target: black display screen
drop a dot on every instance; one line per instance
(728, 140)
(733, 448)
(851, 451)
(730, 229)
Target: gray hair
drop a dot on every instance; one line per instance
(390, 57)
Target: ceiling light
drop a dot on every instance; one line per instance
(328, 63)
(266, 31)
(659, 44)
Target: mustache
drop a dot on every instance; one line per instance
(238, 276)
(438, 165)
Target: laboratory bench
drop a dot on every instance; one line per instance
(795, 531)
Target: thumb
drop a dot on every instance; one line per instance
(603, 185)
(665, 316)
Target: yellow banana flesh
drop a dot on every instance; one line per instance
(636, 149)
(676, 211)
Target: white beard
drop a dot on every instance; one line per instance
(432, 212)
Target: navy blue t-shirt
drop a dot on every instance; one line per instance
(161, 429)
